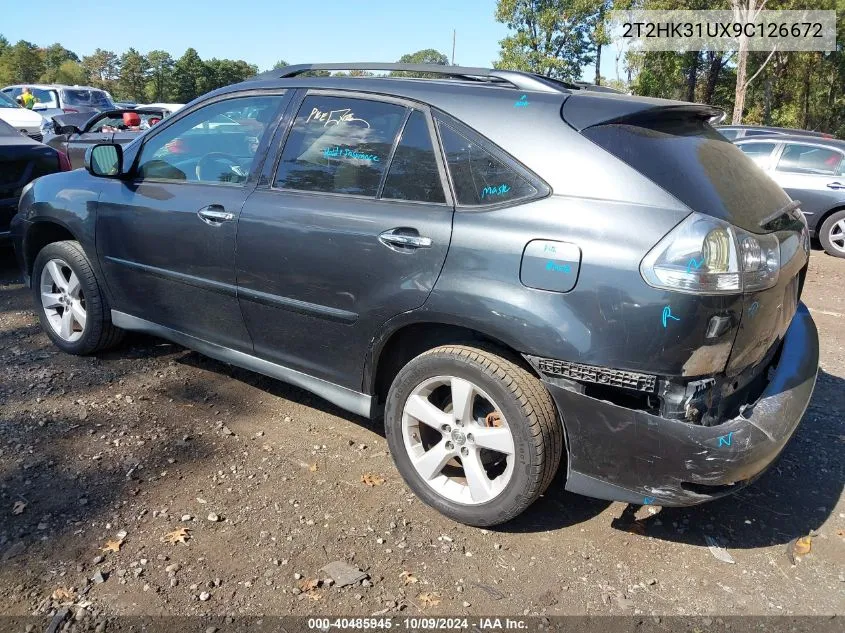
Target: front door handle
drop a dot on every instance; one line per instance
(835, 185)
(215, 215)
(404, 238)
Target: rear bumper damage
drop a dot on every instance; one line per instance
(634, 456)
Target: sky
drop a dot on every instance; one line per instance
(264, 31)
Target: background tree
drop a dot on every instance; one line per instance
(21, 63)
(189, 76)
(160, 76)
(134, 70)
(424, 56)
(70, 73)
(551, 37)
(54, 56)
(102, 68)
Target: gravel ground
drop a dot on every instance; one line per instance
(125, 448)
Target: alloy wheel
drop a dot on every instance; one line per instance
(457, 440)
(63, 300)
(837, 236)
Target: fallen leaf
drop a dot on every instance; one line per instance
(429, 599)
(62, 594)
(719, 552)
(802, 546)
(19, 507)
(112, 546)
(372, 480)
(408, 577)
(180, 535)
(313, 467)
(309, 585)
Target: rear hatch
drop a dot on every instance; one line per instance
(673, 145)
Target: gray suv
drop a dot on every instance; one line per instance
(520, 276)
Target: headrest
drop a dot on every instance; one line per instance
(131, 119)
(153, 120)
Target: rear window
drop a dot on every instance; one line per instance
(82, 97)
(692, 161)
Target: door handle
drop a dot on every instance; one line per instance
(404, 238)
(215, 214)
(835, 185)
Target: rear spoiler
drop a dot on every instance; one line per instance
(587, 109)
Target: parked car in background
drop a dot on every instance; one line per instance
(812, 171)
(27, 121)
(75, 133)
(169, 107)
(457, 253)
(53, 99)
(22, 160)
(734, 132)
(126, 105)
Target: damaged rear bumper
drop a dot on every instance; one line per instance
(629, 455)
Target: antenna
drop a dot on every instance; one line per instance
(453, 47)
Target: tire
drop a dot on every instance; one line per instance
(63, 307)
(832, 234)
(518, 403)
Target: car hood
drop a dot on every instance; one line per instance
(22, 118)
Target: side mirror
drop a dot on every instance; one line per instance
(104, 160)
(39, 106)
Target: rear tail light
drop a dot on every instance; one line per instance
(704, 255)
(64, 162)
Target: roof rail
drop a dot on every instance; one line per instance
(517, 79)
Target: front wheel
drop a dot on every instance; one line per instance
(832, 234)
(70, 303)
(475, 435)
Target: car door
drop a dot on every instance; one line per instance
(812, 173)
(91, 134)
(761, 152)
(166, 233)
(350, 229)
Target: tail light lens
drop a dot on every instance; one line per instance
(704, 255)
(64, 162)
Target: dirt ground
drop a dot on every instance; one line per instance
(267, 482)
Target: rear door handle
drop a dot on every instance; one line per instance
(835, 185)
(404, 238)
(215, 215)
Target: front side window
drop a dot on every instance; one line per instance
(339, 145)
(809, 159)
(758, 152)
(215, 144)
(478, 177)
(413, 173)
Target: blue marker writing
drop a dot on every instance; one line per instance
(725, 440)
(560, 268)
(667, 314)
(694, 263)
(752, 309)
(523, 102)
(339, 152)
(495, 191)
(647, 501)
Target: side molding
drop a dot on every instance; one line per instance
(354, 401)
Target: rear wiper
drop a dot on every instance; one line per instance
(782, 211)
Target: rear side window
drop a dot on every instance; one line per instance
(82, 97)
(413, 173)
(758, 152)
(809, 159)
(728, 134)
(339, 145)
(478, 177)
(692, 161)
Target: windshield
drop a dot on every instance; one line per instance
(85, 97)
(6, 102)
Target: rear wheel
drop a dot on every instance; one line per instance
(474, 434)
(70, 303)
(832, 234)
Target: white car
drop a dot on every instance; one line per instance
(27, 121)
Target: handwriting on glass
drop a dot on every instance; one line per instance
(333, 117)
(667, 314)
(725, 440)
(341, 152)
(694, 263)
(558, 268)
(488, 192)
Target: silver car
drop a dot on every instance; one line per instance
(811, 170)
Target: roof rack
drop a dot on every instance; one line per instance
(516, 79)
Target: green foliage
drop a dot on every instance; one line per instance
(424, 56)
(190, 76)
(160, 75)
(71, 73)
(54, 56)
(102, 68)
(134, 71)
(550, 37)
(21, 63)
